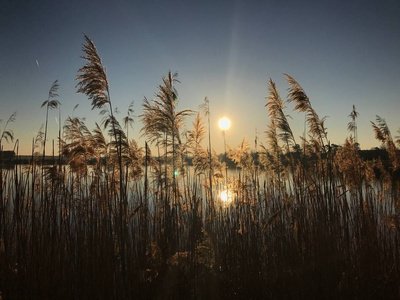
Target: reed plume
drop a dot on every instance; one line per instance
(196, 136)
(93, 80)
(297, 95)
(79, 145)
(241, 156)
(50, 103)
(205, 107)
(7, 134)
(383, 134)
(160, 117)
(352, 125)
(128, 119)
(275, 107)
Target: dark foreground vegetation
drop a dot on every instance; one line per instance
(306, 221)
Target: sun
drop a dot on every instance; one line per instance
(226, 197)
(224, 123)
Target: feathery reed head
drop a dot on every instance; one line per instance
(51, 102)
(8, 134)
(296, 94)
(93, 81)
(381, 130)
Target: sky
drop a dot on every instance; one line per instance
(343, 53)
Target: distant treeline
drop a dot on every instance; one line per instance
(10, 158)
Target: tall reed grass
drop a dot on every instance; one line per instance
(307, 221)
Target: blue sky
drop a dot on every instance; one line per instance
(341, 52)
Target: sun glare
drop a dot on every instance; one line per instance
(224, 123)
(226, 197)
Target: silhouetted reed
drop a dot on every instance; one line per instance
(118, 222)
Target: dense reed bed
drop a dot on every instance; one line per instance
(110, 220)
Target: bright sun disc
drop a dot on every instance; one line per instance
(226, 196)
(224, 123)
